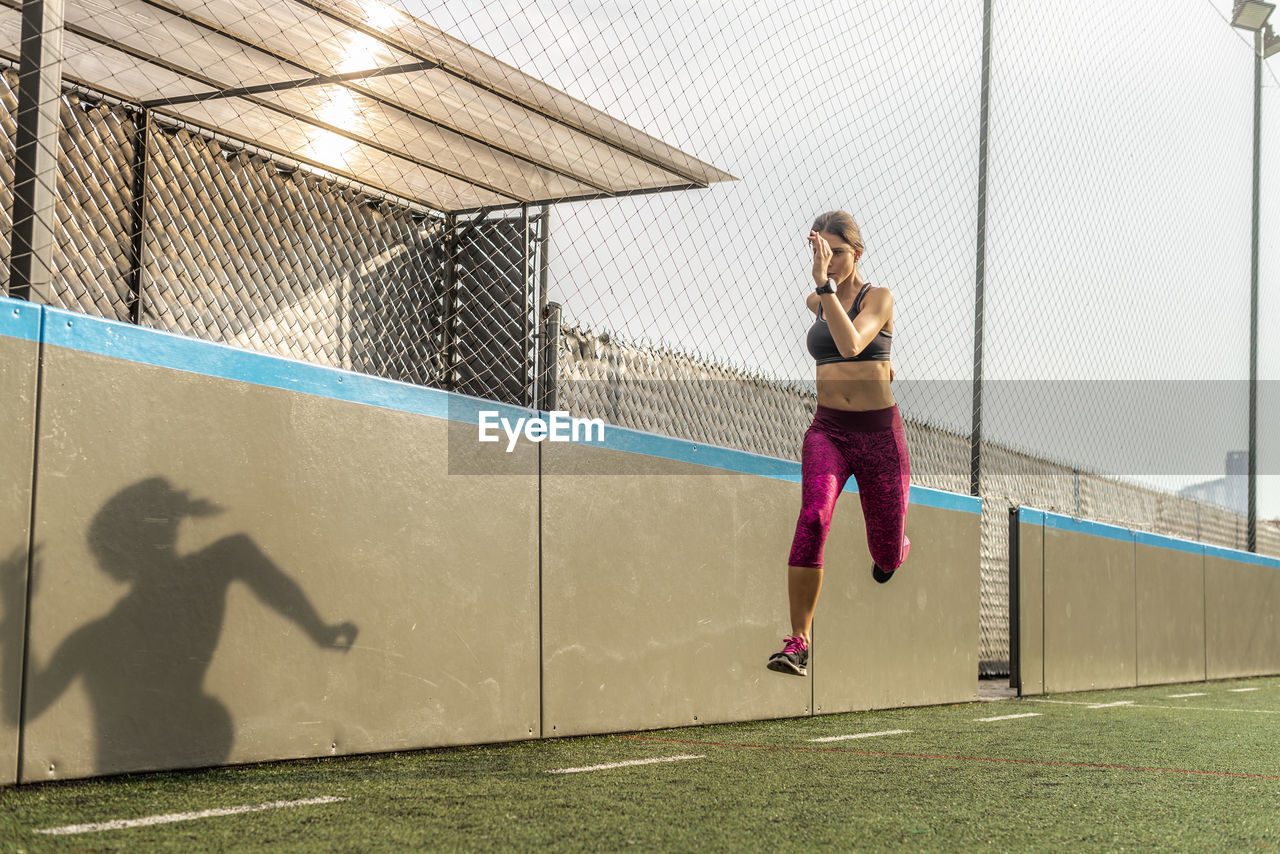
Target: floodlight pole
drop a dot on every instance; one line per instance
(35, 162)
(1252, 537)
(975, 434)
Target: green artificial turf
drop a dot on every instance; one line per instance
(952, 783)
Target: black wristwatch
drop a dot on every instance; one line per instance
(827, 287)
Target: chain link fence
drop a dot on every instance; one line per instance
(402, 189)
(170, 227)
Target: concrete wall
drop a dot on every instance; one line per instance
(19, 355)
(235, 572)
(1170, 620)
(668, 619)
(244, 558)
(664, 592)
(1242, 615)
(1101, 606)
(913, 640)
(1089, 616)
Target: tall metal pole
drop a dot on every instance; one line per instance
(979, 293)
(545, 395)
(527, 391)
(35, 164)
(138, 228)
(448, 380)
(1252, 537)
(550, 354)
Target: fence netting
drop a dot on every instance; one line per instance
(401, 189)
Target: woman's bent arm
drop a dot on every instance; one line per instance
(852, 336)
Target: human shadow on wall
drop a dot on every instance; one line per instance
(144, 662)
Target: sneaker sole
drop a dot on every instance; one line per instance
(879, 574)
(781, 665)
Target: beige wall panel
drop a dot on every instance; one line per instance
(211, 547)
(1089, 612)
(664, 593)
(18, 359)
(911, 641)
(1170, 613)
(1031, 607)
(1242, 617)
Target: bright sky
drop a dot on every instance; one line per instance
(1118, 216)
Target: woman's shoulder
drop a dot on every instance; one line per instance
(877, 292)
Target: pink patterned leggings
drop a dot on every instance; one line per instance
(870, 445)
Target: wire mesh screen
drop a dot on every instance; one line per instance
(1116, 243)
(240, 247)
(494, 313)
(93, 214)
(252, 252)
(398, 189)
(1118, 262)
(858, 122)
(1268, 526)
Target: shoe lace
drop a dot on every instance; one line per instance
(794, 644)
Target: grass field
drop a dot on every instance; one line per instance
(1160, 772)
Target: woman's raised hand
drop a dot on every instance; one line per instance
(821, 256)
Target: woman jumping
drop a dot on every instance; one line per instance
(856, 431)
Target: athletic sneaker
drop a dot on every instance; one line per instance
(793, 659)
(879, 574)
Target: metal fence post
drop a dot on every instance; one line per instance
(35, 165)
(450, 299)
(550, 353)
(527, 352)
(975, 435)
(544, 274)
(137, 229)
(1252, 543)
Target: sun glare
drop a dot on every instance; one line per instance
(380, 15)
(361, 52)
(328, 148)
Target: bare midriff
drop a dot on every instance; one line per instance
(855, 385)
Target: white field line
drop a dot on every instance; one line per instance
(1242, 690)
(1009, 717)
(121, 823)
(623, 764)
(1167, 708)
(1112, 705)
(862, 735)
(1180, 696)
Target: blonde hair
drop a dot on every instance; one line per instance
(842, 225)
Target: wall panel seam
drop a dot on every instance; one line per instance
(31, 549)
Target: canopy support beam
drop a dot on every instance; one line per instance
(266, 88)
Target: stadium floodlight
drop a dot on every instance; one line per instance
(1270, 42)
(1251, 14)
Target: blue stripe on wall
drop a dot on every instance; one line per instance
(1060, 522)
(166, 350)
(1241, 557)
(1028, 516)
(727, 459)
(19, 319)
(1161, 541)
(1055, 521)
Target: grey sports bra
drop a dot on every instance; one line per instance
(822, 347)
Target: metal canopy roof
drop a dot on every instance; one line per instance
(362, 89)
